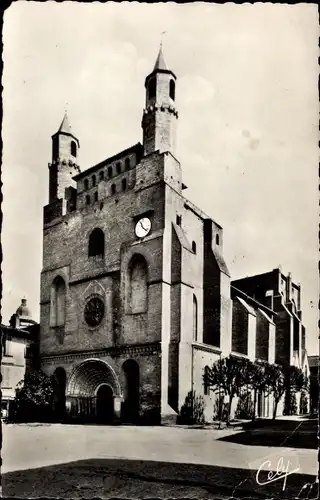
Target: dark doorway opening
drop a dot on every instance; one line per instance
(131, 404)
(59, 394)
(105, 404)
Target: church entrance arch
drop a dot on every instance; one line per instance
(91, 390)
(131, 394)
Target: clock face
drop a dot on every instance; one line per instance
(143, 227)
(94, 311)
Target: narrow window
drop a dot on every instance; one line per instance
(124, 184)
(138, 290)
(113, 189)
(152, 88)
(96, 196)
(194, 247)
(96, 243)
(101, 175)
(206, 387)
(178, 220)
(110, 172)
(127, 164)
(88, 199)
(172, 89)
(86, 184)
(58, 302)
(73, 148)
(195, 319)
(217, 239)
(118, 167)
(94, 181)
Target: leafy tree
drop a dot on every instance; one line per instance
(295, 382)
(284, 379)
(192, 411)
(33, 397)
(228, 375)
(260, 376)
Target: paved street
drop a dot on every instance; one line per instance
(140, 461)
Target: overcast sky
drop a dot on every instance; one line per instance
(247, 134)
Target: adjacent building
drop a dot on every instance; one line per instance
(19, 352)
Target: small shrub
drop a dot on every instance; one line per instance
(245, 406)
(192, 411)
(218, 408)
(303, 403)
(290, 403)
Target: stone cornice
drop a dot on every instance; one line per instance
(206, 347)
(114, 352)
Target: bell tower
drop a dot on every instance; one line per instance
(64, 161)
(160, 116)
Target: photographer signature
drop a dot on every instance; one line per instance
(282, 472)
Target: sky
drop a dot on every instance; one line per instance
(247, 133)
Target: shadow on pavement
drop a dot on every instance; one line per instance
(287, 433)
(106, 478)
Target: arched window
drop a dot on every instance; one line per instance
(118, 167)
(206, 387)
(86, 184)
(194, 247)
(138, 289)
(101, 175)
(124, 184)
(217, 239)
(88, 199)
(94, 181)
(96, 243)
(152, 88)
(73, 148)
(110, 172)
(96, 196)
(58, 302)
(172, 89)
(113, 188)
(127, 163)
(195, 319)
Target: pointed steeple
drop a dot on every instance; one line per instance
(160, 63)
(65, 127)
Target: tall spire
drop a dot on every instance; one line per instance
(160, 64)
(65, 125)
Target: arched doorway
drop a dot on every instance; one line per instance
(104, 404)
(59, 393)
(91, 392)
(131, 403)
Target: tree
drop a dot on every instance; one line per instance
(284, 379)
(260, 376)
(33, 398)
(227, 375)
(295, 382)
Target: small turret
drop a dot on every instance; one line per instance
(64, 165)
(160, 116)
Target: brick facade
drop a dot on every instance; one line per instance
(140, 313)
(185, 274)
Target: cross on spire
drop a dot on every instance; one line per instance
(161, 38)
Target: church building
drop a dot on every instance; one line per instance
(136, 298)
(135, 292)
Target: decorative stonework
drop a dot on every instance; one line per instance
(114, 352)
